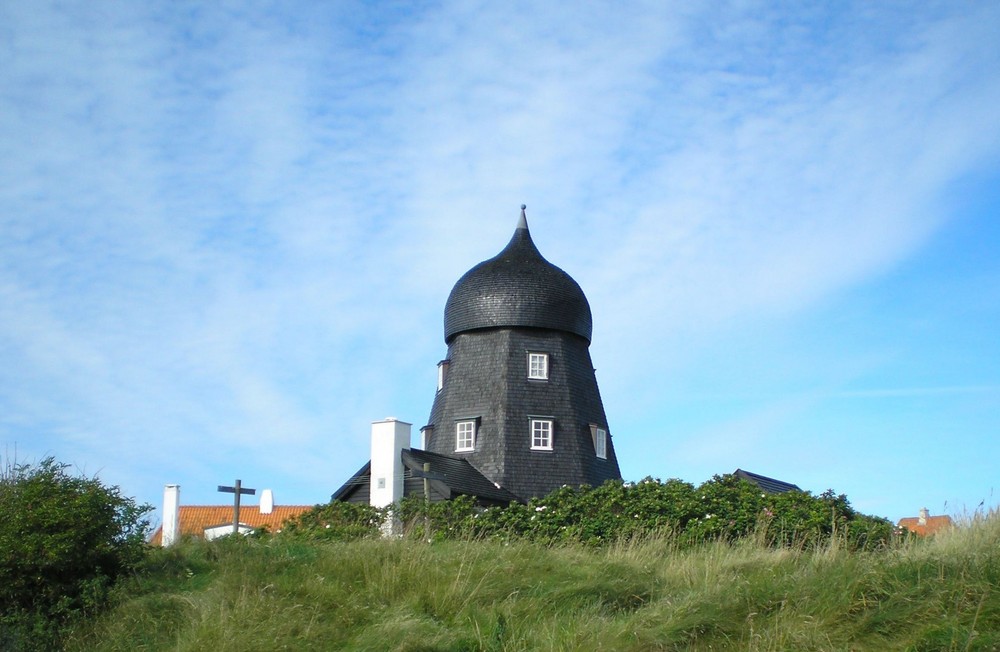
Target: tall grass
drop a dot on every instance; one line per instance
(648, 594)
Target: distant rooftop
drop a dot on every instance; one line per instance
(770, 485)
(926, 525)
(195, 519)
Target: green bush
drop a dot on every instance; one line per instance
(335, 521)
(593, 515)
(448, 519)
(64, 542)
(724, 508)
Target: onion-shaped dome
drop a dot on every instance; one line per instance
(517, 287)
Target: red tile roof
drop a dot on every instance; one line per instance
(931, 525)
(195, 518)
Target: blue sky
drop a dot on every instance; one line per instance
(228, 230)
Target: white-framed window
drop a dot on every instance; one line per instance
(600, 436)
(538, 366)
(541, 434)
(465, 435)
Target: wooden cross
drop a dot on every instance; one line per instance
(237, 490)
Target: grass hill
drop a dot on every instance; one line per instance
(282, 593)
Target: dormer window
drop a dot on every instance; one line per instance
(538, 366)
(442, 373)
(600, 436)
(465, 436)
(541, 434)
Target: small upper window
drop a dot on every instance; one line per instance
(465, 436)
(538, 366)
(442, 373)
(600, 441)
(541, 434)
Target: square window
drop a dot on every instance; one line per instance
(538, 366)
(541, 434)
(465, 436)
(600, 442)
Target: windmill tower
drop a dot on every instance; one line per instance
(517, 395)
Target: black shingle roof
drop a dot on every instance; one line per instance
(452, 477)
(517, 287)
(457, 474)
(767, 484)
(361, 478)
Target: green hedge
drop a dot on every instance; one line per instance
(725, 507)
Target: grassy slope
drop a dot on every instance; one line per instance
(942, 594)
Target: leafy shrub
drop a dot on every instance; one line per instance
(64, 542)
(593, 515)
(723, 508)
(448, 519)
(335, 521)
(727, 508)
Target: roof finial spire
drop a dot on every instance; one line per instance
(523, 222)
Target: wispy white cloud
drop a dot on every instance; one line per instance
(228, 232)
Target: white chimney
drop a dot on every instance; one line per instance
(266, 501)
(390, 438)
(923, 516)
(171, 515)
